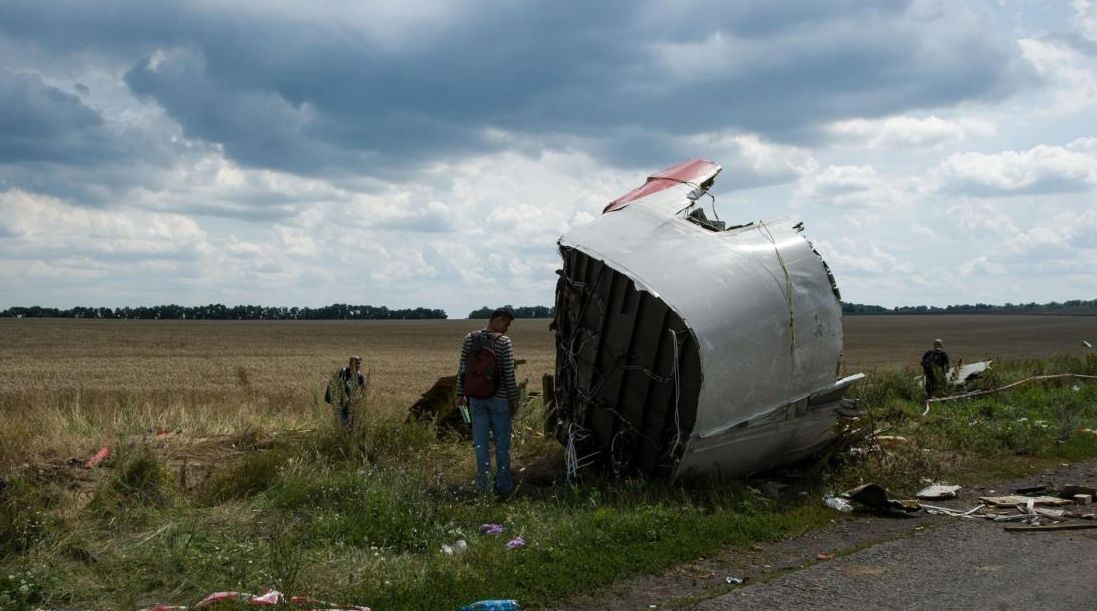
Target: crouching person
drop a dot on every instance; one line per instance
(485, 380)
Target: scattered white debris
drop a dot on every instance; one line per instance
(938, 491)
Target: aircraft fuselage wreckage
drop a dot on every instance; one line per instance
(687, 348)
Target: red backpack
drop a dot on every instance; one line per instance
(481, 366)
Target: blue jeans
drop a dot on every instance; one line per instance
(492, 414)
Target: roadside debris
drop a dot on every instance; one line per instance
(1050, 510)
(824, 556)
(963, 373)
(933, 510)
(733, 580)
(938, 491)
(1075, 526)
(98, 458)
(457, 548)
(979, 393)
(1015, 500)
(837, 502)
(1071, 491)
(270, 598)
(493, 605)
(876, 497)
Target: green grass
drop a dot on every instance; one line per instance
(361, 516)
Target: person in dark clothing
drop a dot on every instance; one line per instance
(347, 387)
(935, 367)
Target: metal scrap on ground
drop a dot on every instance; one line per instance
(1033, 511)
(938, 491)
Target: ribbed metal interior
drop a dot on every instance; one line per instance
(628, 370)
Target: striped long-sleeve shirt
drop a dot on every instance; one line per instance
(506, 388)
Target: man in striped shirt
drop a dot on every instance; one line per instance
(491, 415)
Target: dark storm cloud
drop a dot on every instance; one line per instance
(322, 95)
(39, 122)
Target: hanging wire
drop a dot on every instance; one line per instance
(572, 461)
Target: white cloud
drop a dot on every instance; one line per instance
(863, 258)
(1052, 245)
(46, 224)
(751, 160)
(295, 241)
(906, 131)
(849, 186)
(1085, 18)
(1041, 169)
(1070, 73)
(401, 264)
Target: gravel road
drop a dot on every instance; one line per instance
(965, 564)
(946, 563)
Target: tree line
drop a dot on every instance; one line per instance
(1074, 306)
(217, 311)
(343, 311)
(519, 312)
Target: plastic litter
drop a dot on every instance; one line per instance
(491, 529)
(824, 556)
(98, 458)
(457, 548)
(493, 605)
(938, 491)
(837, 502)
(270, 598)
(933, 510)
(516, 542)
(733, 580)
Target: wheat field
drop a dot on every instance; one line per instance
(67, 386)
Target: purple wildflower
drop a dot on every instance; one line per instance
(516, 542)
(491, 529)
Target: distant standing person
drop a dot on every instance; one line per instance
(485, 379)
(347, 387)
(935, 367)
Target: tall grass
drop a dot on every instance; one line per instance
(361, 514)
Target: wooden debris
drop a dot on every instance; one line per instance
(1070, 490)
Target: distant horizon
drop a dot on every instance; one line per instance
(848, 309)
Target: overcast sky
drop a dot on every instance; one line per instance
(430, 152)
